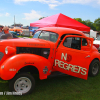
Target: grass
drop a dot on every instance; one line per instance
(59, 88)
(25, 36)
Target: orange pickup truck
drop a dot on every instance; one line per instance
(52, 50)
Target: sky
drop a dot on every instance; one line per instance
(28, 11)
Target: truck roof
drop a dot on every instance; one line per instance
(62, 30)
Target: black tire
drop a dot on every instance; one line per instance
(22, 82)
(94, 68)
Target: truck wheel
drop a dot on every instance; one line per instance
(23, 83)
(94, 68)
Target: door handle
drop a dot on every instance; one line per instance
(87, 56)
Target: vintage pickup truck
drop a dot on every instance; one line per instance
(52, 50)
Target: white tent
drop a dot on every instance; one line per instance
(93, 34)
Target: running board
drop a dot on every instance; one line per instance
(55, 74)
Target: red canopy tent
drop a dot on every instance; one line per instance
(60, 20)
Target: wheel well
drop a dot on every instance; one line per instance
(31, 69)
(94, 59)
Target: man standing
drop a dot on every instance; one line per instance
(6, 34)
(1, 31)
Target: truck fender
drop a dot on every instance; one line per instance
(95, 55)
(12, 65)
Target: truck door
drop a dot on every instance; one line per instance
(73, 56)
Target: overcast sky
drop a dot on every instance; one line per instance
(28, 11)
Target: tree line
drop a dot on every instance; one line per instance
(93, 25)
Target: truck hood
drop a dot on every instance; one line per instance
(25, 43)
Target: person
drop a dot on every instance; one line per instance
(1, 31)
(6, 34)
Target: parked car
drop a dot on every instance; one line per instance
(13, 32)
(54, 50)
(16, 29)
(25, 27)
(96, 43)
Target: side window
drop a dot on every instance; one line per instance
(84, 42)
(73, 42)
(66, 35)
(67, 42)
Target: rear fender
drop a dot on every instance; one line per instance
(95, 55)
(13, 64)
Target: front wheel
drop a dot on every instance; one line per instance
(94, 68)
(23, 83)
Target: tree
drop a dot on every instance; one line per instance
(90, 24)
(97, 24)
(87, 23)
(78, 19)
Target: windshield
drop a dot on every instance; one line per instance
(51, 36)
(36, 34)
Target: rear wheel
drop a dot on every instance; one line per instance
(23, 83)
(94, 68)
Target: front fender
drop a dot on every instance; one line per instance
(13, 64)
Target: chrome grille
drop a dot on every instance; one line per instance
(44, 52)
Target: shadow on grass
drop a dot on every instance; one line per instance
(60, 88)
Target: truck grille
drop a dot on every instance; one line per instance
(1, 55)
(44, 52)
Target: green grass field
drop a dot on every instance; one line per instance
(59, 88)
(25, 36)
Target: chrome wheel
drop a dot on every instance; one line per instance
(22, 85)
(95, 68)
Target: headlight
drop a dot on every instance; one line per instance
(9, 50)
(6, 50)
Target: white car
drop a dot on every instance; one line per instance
(96, 43)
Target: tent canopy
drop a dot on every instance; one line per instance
(60, 20)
